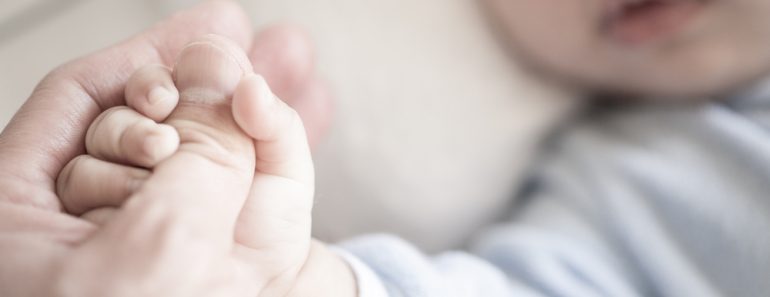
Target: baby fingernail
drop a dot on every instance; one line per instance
(158, 94)
(161, 143)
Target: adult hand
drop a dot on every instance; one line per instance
(35, 236)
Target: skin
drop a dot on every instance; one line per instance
(722, 49)
(174, 228)
(244, 150)
(191, 242)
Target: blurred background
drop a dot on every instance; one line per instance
(434, 124)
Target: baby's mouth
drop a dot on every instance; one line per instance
(637, 22)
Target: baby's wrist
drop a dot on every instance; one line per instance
(324, 274)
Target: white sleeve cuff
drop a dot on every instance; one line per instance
(368, 283)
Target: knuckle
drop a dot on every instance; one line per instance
(132, 141)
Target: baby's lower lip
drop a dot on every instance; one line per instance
(650, 20)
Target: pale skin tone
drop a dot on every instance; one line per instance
(223, 124)
(225, 209)
(720, 49)
(173, 234)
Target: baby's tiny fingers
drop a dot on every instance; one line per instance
(282, 147)
(151, 92)
(87, 183)
(278, 211)
(124, 136)
(100, 216)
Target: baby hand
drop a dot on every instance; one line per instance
(123, 145)
(247, 147)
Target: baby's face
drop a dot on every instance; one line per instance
(651, 47)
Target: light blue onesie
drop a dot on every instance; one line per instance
(643, 201)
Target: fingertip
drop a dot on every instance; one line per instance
(151, 92)
(281, 142)
(250, 100)
(157, 95)
(88, 183)
(161, 101)
(160, 143)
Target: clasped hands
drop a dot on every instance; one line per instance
(166, 166)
